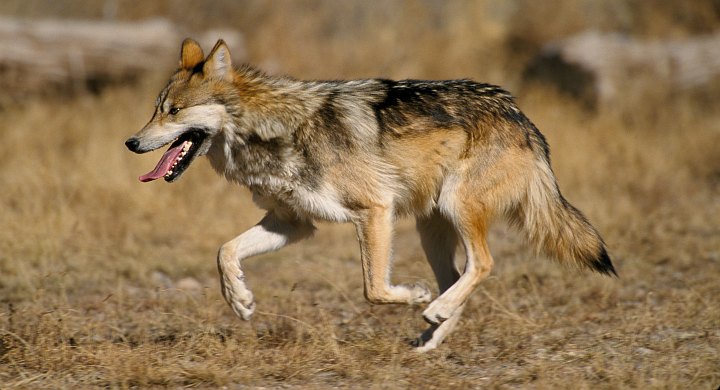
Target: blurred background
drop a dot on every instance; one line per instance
(495, 41)
(105, 281)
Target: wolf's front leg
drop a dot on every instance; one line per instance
(375, 230)
(271, 233)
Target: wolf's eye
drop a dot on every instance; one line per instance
(174, 110)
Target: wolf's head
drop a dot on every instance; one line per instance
(189, 112)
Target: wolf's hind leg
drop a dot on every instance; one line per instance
(375, 230)
(439, 241)
(471, 225)
(270, 234)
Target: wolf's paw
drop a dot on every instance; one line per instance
(422, 348)
(238, 296)
(418, 294)
(410, 294)
(244, 311)
(438, 311)
(399, 294)
(426, 341)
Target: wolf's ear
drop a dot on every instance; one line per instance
(218, 62)
(191, 54)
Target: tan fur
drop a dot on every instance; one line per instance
(455, 154)
(191, 54)
(424, 160)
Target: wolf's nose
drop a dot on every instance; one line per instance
(132, 144)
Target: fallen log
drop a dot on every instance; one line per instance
(598, 67)
(43, 57)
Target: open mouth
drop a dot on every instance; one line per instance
(177, 158)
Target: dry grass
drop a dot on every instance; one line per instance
(110, 282)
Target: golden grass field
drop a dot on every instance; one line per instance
(109, 282)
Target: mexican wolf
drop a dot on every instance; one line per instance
(454, 154)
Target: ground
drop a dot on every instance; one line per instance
(108, 281)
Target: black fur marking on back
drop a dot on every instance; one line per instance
(386, 110)
(417, 98)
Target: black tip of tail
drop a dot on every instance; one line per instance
(603, 265)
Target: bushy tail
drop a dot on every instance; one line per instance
(556, 228)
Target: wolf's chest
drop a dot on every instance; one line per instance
(322, 203)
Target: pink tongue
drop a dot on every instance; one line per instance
(164, 165)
